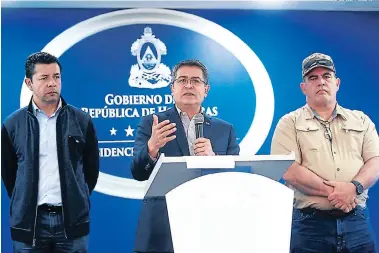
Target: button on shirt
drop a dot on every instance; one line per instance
(335, 149)
(189, 129)
(49, 187)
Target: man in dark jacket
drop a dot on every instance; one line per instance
(49, 166)
(173, 133)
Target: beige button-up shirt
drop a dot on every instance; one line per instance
(354, 140)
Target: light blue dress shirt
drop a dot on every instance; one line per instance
(49, 186)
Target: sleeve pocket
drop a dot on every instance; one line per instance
(76, 145)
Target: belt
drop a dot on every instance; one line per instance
(50, 208)
(333, 213)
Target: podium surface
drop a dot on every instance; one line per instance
(170, 172)
(230, 212)
(225, 203)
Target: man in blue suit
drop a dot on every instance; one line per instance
(173, 133)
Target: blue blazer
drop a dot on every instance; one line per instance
(153, 232)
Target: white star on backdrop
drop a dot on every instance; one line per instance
(129, 131)
(113, 131)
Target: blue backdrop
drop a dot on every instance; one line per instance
(97, 69)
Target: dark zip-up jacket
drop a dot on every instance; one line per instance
(78, 162)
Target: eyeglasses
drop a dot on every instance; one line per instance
(195, 81)
(328, 132)
(322, 62)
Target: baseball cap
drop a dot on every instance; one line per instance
(317, 60)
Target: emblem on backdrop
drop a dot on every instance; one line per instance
(149, 72)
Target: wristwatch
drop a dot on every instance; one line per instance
(358, 187)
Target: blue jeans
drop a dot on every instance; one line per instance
(50, 237)
(315, 233)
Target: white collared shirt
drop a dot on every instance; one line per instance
(49, 186)
(189, 129)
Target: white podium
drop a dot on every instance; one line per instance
(230, 204)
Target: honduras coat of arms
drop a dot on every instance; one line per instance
(149, 72)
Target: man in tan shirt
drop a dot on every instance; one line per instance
(337, 161)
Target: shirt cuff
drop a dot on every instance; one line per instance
(152, 159)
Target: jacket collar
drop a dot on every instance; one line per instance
(31, 108)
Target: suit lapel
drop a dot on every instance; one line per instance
(181, 138)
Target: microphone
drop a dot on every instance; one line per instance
(199, 121)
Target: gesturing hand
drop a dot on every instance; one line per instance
(160, 135)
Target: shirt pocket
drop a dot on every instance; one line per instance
(352, 137)
(309, 142)
(308, 136)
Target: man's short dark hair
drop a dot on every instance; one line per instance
(191, 63)
(39, 58)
